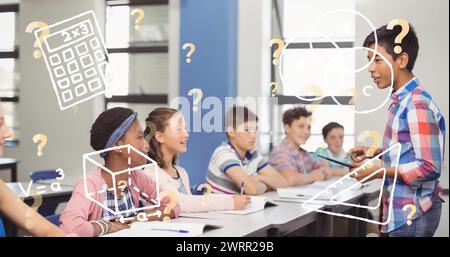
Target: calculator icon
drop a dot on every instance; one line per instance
(77, 60)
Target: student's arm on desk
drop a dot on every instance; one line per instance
(295, 178)
(334, 171)
(269, 176)
(19, 213)
(252, 186)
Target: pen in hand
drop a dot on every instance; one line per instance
(242, 187)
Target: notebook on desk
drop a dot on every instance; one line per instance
(162, 229)
(257, 203)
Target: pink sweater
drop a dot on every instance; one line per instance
(80, 210)
(189, 202)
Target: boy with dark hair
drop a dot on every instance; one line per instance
(236, 167)
(415, 122)
(289, 159)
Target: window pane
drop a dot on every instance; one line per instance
(7, 19)
(323, 114)
(299, 16)
(120, 25)
(11, 120)
(142, 109)
(143, 73)
(8, 78)
(327, 69)
(316, 141)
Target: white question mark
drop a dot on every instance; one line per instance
(198, 97)
(191, 47)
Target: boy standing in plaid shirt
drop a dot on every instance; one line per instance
(415, 122)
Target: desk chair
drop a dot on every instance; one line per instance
(196, 191)
(54, 219)
(2, 229)
(45, 209)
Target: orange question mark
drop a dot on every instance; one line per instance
(173, 202)
(277, 51)
(398, 39)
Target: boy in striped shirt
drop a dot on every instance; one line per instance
(236, 166)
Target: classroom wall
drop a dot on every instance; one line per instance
(253, 57)
(211, 26)
(430, 19)
(39, 112)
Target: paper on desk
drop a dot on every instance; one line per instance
(145, 229)
(301, 193)
(342, 184)
(257, 203)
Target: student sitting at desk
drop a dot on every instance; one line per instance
(236, 166)
(167, 137)
(114, 127)
(333, 135)
(16, 210)
(293, 162)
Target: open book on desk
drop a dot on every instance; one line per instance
(257, 203)
(162, 229)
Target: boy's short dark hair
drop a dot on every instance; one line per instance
(237, 115)
(386, 38)
(293, 114)
(327, 128)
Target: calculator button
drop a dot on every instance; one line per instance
(63, 83)
(72, 67)
(76, 78)
(86, 61)
(55, 60)
(67, 95)
(81, 48)
(68, 55)
(90, 72)
(94, 84)
(94, 43)
(80, 90)
(59, 71)
(99, 55)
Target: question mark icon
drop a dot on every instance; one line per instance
(122, 184)
(274, 87)
(318, 93)
(36, 25)
(173, 202)
(43, 139)
(198, 97)
(37, 202)
(191, 47)
(139, 17)
(207, 193)
(411, 213)
(398, 39)
(375, 145)
(277, 51)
